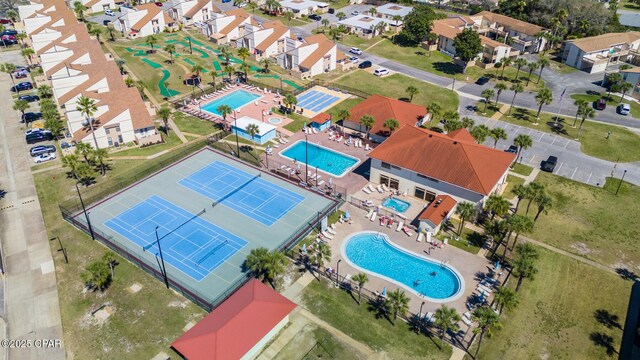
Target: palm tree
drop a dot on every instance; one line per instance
(151, 40)
(111, 32)
(544, 97)
(624, 88)
(343, 115)
(446, 319)
(276, 262)
(587, 112)
(486, 94)
(244, 53)
(252, 130)
(412, 91)
(214, 75)
(523, 142)
(613, 80)
(197, 69)
(252, 6)
(465, 211)
(480, 133)
(505, 298)
(487, 320)
(28, 53)
(164, 113)
(505, 62)
(500, 87)
(290, 100)
(524, 265)
(516, 88)
(256, 262)
(497, 205)
(288, 15)
(391, 124)
(496, 134)
(87, 107)
(21, 105)
(543, 63)
(11, 14)
(245, 68)
(522, 192)
(452, 124)
(99, 157)
(523, 225)
(53, 123)
(341, 16)
(45, 91)
(398, 302)
(544, 202)
(372, 11)
(9, 69)
(224, 110)
(325, 22)
(580, 104)
(360, 279)
(436, 111)
(71, 161)
(83, 149)
(229, 69)
(322, 254)
(170, 48)
(265, 64)
(225, 52)
(397, 19)
(532, 66)
(467, 122)
(96, 32)
(535, 189)
(79, 9)
(335, 33)
(367, 121)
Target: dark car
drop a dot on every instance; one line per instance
(512, 149)
(158, 3)
(106, 22)
(483, 80)
(193, 81)
(6, 21)
(315, 17)
(600, 104)
(42, 149)
(37, 136)
(550, 164)
(9, 32)
(29, 98)
(365, 64)
(22, 86)
(31, 116)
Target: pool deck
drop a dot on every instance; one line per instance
(468, 265)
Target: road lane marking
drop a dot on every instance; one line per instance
(589, 177)
(574, 173)
(559, 167)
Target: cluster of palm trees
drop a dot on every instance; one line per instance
(520, 63)
(266, 265)
(368, 121)
(83, 163)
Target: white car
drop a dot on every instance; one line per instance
(355, 13)
(109, 12)
(242, 5)
(354, 59)
(381, 72)
(355, 50)
(44, 157)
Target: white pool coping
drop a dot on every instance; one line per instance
(451, 298)
(344, 173)
(228, 94)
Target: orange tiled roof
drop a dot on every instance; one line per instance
(461, 135)
(515, 24)
(438, 209)
(383, 108)
(465, 164)
(197, 7)
(278, 31)
(239, 17)
(152, 11)
(324, 45)
(602, 42)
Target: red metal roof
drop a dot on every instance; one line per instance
(438, 209)
(236, 326)
(383, 108)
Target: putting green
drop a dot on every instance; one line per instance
(188, 61)
(217, 66)
(266, 76)
(203, 55)
(292, 84)
(164, 91)
(137, 52)
(153, 64)
(194, 41)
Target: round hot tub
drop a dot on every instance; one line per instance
(275, 121)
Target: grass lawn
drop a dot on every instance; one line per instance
(613, 101)
(470, 241)
(298, 121)
(359, 42)
(314, 342)
(169, 142)
(339, 309)
(627, 5)
(193, 125)
(344, 105)
(556, 64)
(522, 169)
(512, 181)
(623, 144)
(126, 334)
(555, 317)
(289, 23)
(591, 221)
(491, 108)
(394, 86)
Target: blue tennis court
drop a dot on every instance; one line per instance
(189, 243)
(315, 100)
(245, 193)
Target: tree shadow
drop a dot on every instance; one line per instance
(448, 68)
(2, 193)
(593, 92)
(380, 308)
(476, 239)
(557, 126)
(603, 340)
(607, 319)
(626, 274)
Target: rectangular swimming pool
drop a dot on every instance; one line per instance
(326, 160)
(235, 100)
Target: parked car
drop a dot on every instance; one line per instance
(550, 164)
(482, 80)
(42, 149)
(37, 136)
(354, 59)
(66, 145)
(158, 3)
(109, 12)
(29, 98)
(44, 157)
(20, 74)
(106, 22)
(31, 116)
(512, 149)
(600, 104)
(355, 50)
(10, 32)
(624, 109)
(315, 17)
(22, 86)
(241, 5)
(381, 72)
(226, 1)
(365, 64)
(355, 13)
(6, 21)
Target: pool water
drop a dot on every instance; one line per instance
(396, 204)
(324, 159)
(275, 121)
(235, 100)
(373, 253)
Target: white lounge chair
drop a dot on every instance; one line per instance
(331, 231)
(420, 237)
(466, 321)
(327, 235)
(385, 188)
(320, 183)
(369, 213)
(467, 315)
(428, 317)
(315, 131)
(333, 226)
(370, 188)
(380, 189)
(373, 216)
(281, 141)
(407, 231)
(366, 147)
(332, 137)
(366, 191)
(400, 224)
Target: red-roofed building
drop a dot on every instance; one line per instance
(321, 121)
(426, 164)
(435, 214)
(239, 327)
(382, 109)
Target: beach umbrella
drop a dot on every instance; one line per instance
(330, 181)
(384, 292)
(347, 215)
(304, 248)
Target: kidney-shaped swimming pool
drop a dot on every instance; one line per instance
(372, 252)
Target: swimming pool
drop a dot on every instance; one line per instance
(372, 252)
(396, 204)
(326, 160)
(235, 100)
